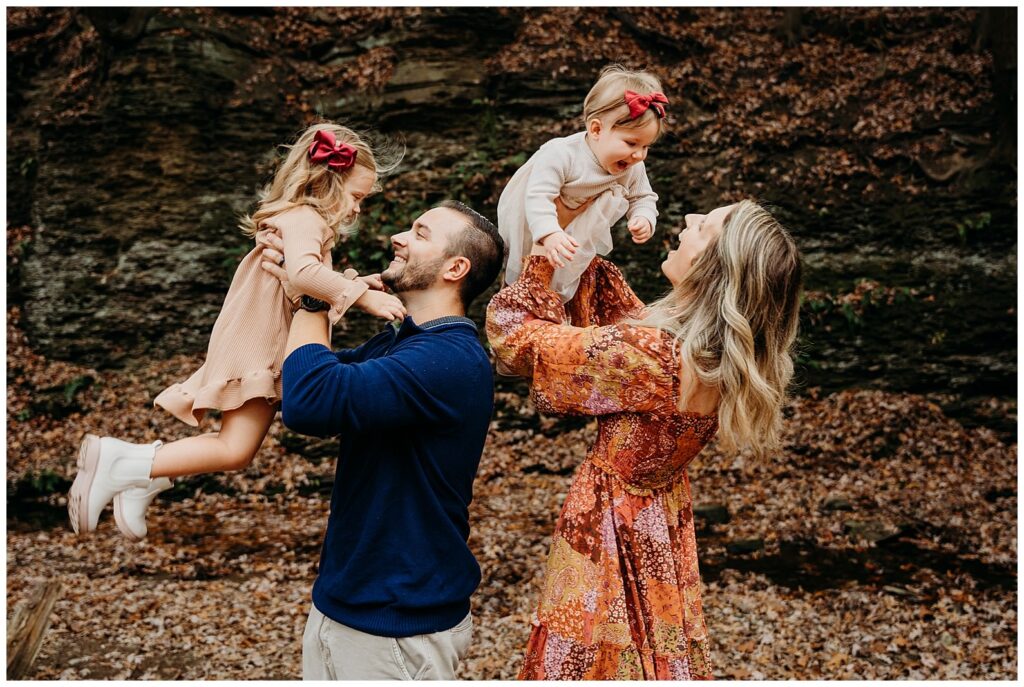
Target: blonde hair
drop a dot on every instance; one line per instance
(608, 97)
(734, 317)
(301, 182)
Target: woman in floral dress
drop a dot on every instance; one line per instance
(622, 590)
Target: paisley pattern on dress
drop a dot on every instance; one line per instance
(621, 597)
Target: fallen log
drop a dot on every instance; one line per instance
(28, 625)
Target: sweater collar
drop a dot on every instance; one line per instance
(447, 319)
(409, 327)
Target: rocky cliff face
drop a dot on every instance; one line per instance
(136, 138)
(134, 185)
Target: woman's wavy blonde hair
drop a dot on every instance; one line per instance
(734, 317)
(608, 97)
(301, 182)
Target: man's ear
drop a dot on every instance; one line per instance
(457, 269)
(594, 128)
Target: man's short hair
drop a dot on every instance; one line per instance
(481, 244)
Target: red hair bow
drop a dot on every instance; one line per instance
(326, 149)
(641, 102)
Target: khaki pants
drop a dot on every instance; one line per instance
(332, 651)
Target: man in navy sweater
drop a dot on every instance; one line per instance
(411, 407)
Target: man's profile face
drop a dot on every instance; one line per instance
(420, 251)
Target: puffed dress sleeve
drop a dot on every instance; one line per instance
(594, 370)
(307, 240)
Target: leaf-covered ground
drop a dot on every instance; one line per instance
(880, 544)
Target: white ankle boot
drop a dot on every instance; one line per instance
(105, 467)
(130, 507)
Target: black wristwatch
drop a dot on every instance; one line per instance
(313, 304)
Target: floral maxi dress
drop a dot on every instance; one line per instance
(621, 597)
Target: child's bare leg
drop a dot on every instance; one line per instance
(241, 433)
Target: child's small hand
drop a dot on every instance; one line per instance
(373, 281)
(641, 229)
(380, 304)
(557, 246)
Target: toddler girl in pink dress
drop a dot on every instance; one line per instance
(314, 196)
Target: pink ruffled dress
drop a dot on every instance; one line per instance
(246, 350)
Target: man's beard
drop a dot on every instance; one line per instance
(412, 277)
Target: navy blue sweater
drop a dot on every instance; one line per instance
(412, 408)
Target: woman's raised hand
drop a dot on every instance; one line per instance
(567, 215)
